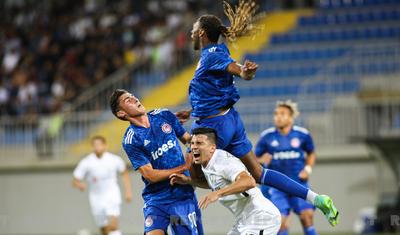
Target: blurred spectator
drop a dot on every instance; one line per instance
(3, 98)
(51, 51)
(48, 130)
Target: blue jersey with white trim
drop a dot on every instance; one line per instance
(158, 145)
(288, 152)
(212, 87)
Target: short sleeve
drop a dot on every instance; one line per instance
(218, 61)
(80, 171)
(174, 122)
(308, 145)
(261, 147)
(232, 168)
(121, 166)
(136, 156)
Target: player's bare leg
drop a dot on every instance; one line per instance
(306, 219)
(156, 232)
(284, 225)
(103, 230)
(112, 227)
(250, 161)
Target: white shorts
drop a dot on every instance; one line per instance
(261, 217)
(258, 221)
(103, 211)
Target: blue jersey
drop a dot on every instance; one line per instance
(288, 152)
(158, 145)
(212, 87)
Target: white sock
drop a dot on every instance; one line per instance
(311, 196)
(115, 232)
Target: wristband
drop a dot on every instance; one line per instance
(308, 169)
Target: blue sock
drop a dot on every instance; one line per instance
(310, 230)
(283, 232)
(283, 183)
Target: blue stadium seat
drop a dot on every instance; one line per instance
(379, 15)
(354, 3)
(367, 32)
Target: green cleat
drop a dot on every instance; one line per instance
(325, 204)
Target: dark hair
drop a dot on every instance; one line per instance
(114, 101)
(99, 137)
(212, 26)
(209, 132)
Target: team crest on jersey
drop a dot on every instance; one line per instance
(166, 128)
(149, 221)
(274, 143)
(295, 143)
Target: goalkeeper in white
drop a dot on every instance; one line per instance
(232, 185)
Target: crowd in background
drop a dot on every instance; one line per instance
(51, 51)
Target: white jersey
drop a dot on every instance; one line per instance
(101, 175)
(252, 210)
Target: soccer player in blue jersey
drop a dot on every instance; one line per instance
(288, 149)
(151, 143)
(212, 95)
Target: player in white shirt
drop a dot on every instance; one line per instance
(100, 170)
(232, 185)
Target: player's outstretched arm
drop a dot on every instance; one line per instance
(76, 183)
(155, 175)
(127, 185)
(243, 182)
(246, 71)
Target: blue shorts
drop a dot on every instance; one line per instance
(265, 190)
(230, 130)
(183, 216)
(286, 203)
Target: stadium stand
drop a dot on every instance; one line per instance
(326, 55)
(55, 53)
(52, 53)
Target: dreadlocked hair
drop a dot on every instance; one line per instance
(241, 20)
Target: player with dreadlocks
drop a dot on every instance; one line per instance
(212, 95)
